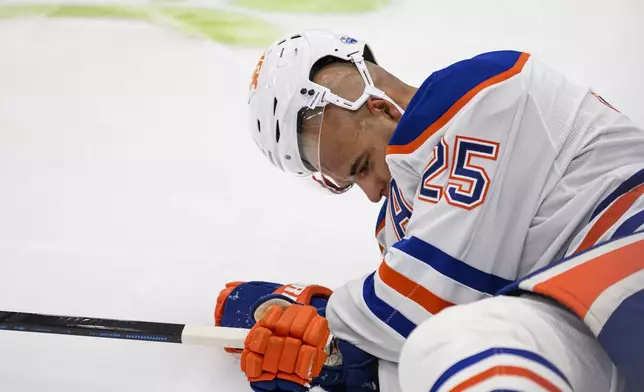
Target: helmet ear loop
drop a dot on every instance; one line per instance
(370, 90)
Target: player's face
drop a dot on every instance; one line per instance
(353, 148)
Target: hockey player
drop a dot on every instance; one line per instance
(494, 168)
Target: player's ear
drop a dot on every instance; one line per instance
(376, 105)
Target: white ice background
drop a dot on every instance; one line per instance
(130, 187)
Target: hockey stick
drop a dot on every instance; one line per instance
(203, 335)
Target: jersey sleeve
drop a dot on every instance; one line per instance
(465, 186)
(618, 214)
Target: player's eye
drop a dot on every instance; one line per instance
(365, 167)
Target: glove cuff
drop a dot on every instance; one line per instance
(286, 295)
(237, 302)
(303, 294)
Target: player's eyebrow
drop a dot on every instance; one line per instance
(354, 167)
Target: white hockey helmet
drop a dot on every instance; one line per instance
(281, 91)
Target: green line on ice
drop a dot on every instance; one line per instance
(227, 27)
(313, 6)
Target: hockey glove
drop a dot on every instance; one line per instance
(289, 348)
(237, 302)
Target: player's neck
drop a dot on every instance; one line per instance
(402, 94)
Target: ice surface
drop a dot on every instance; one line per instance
(130, 188)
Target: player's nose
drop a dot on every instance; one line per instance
(371, 189)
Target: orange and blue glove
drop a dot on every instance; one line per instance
(289, 347)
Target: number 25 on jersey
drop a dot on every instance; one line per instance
(468, 183)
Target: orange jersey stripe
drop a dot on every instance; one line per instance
(578, 287)
(506, 371)
(378, 230)
(380, 227)
(412, 290)
(610, 217)
(451, 112)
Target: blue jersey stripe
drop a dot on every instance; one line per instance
(622, 339)
(451, 267)
(628, 185)
(443, 88)
(630, 225)
(384, 311)
(469, 361)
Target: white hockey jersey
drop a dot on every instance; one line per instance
(499, 166)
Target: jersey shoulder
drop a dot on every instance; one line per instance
(447, 91)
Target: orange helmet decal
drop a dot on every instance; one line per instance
(253, 82)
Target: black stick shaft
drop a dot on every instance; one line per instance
(94, 327)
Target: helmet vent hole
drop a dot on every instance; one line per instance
(277, 131)
(368, 55)
(274, 105)
(282, 52)
(281, 42)
(296, 36)
(259, 126)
